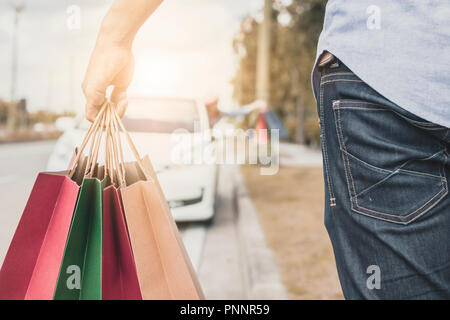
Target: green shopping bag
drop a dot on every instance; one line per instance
(80, 275)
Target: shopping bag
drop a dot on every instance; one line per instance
(31, 265)
(80, 273)
(163, 266)
(119, 277)
(165, 206)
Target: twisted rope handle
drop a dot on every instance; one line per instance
(118, 152)
(95, 146)
(114, 134)
(131, 144)
(109, 123)
(109, 165)
(93, 128)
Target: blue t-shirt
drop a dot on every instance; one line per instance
(399, 48)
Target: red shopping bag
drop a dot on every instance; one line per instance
(119, 276)
(31, 266)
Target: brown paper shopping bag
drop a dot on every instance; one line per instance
(163, 266)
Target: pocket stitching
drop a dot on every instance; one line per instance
(325, 153)
(409, 214)
(421, 125)
(344, 158)
(381, 170)
(354, 197)
(335, 80)
(360, 102)
(409, 221)
(338, 74)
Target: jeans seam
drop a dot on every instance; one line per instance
(362, 108)
(341, 141)
(446, 134)
(354, 197)
(402, 222)
(325, 152)
(338, 74)
(399, 169)
(335, 80)
(409, 214)
(359, 102)
(427, 126)
(380, 170)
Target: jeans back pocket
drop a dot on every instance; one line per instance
(394, 170)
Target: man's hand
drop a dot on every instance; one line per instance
(110, 65)
(112, 62)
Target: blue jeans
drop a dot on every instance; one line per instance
(387, 209)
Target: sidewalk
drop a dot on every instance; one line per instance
(261, 274)
(236, 260)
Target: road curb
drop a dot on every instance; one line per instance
(261, 274)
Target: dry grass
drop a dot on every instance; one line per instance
(290, 206)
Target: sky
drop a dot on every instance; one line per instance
(183, 50)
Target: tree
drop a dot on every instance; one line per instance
(295, 30)
(4, 110)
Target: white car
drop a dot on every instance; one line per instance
(169, 130)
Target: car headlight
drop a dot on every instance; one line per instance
(186, 202)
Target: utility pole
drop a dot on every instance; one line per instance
(263, 62)
(12, 114)
(72, 84)
(300, 133)
(49, 88)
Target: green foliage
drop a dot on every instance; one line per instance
(293, 50)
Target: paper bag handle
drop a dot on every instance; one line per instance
(93, 127)
(130, 143)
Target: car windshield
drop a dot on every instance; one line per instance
(159, 115)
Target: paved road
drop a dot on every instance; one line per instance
(213, 246)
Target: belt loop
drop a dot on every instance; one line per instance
(325, 60)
